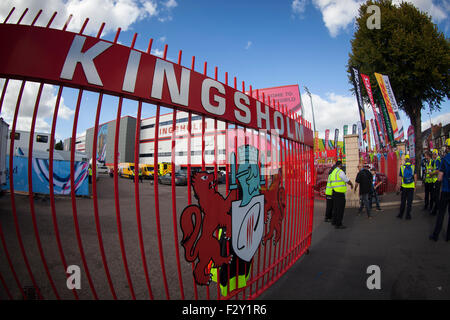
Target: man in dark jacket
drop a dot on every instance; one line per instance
(364, 180)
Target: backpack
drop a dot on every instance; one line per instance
(408, 175)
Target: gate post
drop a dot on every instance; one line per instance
(352, 161)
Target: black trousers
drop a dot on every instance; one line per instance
(429, 195)
(406, 201)
(329, 208)
(339, 207)
(436, 193)
(443, 203)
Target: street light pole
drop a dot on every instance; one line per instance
(312, 108)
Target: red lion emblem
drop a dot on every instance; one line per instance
(212, 212)
(275, 202)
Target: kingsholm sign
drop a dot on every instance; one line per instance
(61, 57)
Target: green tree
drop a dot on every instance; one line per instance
(408, 48)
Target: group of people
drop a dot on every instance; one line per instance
(437, 199)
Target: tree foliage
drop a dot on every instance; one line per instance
(408, 48)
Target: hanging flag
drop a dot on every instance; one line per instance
(368, 134)
(354, 128)
(345, 133)
(360, 137)
(362, 114)
(388, 104)
(381, 129)
(316, 141)
(366, 81)
(375, 135)
(387, 119)
(336, 137)
(327, 135)
(391, 95)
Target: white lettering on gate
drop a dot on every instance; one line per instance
(262, 115)
(206, 88)
(164, 69)
(277, 115)
(238, 97)
(85, 58)
(129, 80)
(299, 132)
(288, 128)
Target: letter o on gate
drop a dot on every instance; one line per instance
(218, 109)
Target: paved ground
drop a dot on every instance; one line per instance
(411, 266)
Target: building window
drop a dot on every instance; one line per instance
(42, 139)
(16, 136)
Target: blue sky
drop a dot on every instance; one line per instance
(265, 43)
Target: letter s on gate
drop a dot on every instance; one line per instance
(374, 21)
(374, 281)
(74, 280)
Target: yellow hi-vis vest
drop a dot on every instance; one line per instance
(435, 168)
(329, 190)
(336, 183)
(429, 169)
(407, 185)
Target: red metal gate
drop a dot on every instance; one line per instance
(133, 239)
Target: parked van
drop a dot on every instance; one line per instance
(126, 170)
(147, 171)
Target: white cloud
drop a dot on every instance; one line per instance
(27, 104)
(248, 45)
(115, 13)
(442, 118)
(157, 52)
(337, 15)
(298, 6)
(331, 112)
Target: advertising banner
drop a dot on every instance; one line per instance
(387, 104)
(327, 136)
(288, 96)
(336, 138)
(375, 135)
(362, 113)
(40, 176)
(393, 101)
(387, 120)
(368, 134)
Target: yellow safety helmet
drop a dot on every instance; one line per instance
(406, 156)
(435, 151)
(447, 142)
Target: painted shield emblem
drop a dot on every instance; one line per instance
(247, 227)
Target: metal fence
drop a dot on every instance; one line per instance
(128, 239)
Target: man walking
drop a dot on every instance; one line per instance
(408, 183)
(444, 178)
(364, 180)
(437, 184)
(429, 183)
(374, 190)
(338, 181)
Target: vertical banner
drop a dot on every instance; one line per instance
(393, 101)
(375, 135)
(411, 142)
(381, 130)
(336, 138)
(345, 133)
(354, 128)
(387, 121)
(327, 136)
(366, 81)
(316, 141)
(368, 134)
(360, 137)
(387, 104)
(362, 114)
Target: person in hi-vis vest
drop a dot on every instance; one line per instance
(428, 181)
(338, 183)
(407, 186)
(437, 184)
(329, 197)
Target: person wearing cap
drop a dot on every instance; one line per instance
(338, 183)
(436, 164)
(444, 201)
(407, 188)
(364, 180)
(428, 181)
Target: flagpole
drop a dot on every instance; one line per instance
(312, 108)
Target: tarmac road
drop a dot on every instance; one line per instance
(411, 266)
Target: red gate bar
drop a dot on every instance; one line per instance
(290, 150)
